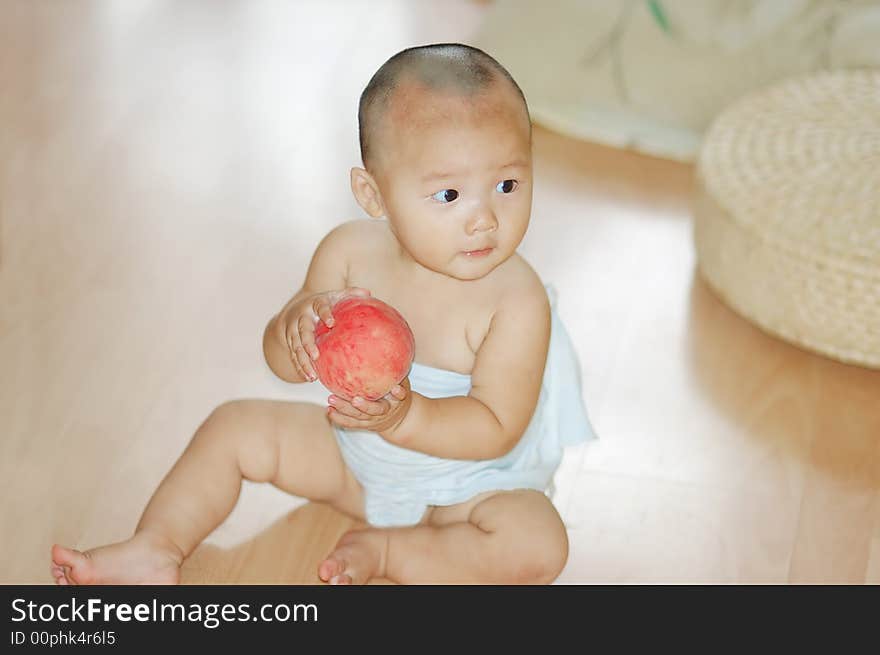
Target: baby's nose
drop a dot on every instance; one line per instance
(483, 221)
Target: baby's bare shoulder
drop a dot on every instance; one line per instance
(358, 233)
(353, 241)
(519, 283)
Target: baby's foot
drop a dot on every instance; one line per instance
(359, 556)
(143, 559)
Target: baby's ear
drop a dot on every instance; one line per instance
(366, 192)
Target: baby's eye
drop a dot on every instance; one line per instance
(507, 186)
(445, 196)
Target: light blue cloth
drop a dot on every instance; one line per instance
(400, 484)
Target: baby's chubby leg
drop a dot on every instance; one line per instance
(512, 537)
(288, 444)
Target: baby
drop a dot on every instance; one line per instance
(449, 469)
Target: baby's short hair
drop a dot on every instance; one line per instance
(457, 67)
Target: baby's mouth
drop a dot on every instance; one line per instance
(478, 253)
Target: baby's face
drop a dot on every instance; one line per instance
(456, 178)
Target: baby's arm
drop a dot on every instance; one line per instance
(327, 271)
(505, 384)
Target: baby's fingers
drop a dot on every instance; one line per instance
(304, 362)
(294, 359)
(321, 307)
(398, 392)
(371, 407)
(340, 420)
(307, 337)
(298, 342)
(346, 408)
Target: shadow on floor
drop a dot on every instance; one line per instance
(287, 552)
(797, 403)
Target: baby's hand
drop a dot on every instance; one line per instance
(299, 326)
(382, 416)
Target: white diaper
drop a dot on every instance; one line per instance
(400, 484)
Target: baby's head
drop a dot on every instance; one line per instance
(446, 145)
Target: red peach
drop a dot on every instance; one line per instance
(369, 349)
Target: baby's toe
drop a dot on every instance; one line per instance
(62, 556)
(330, 568)
(60, 575)
(341, 579)
(75, 566)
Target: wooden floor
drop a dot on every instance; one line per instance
(166, 170)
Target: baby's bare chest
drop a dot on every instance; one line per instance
(448, 327)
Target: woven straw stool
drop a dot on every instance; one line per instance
(787, 212)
